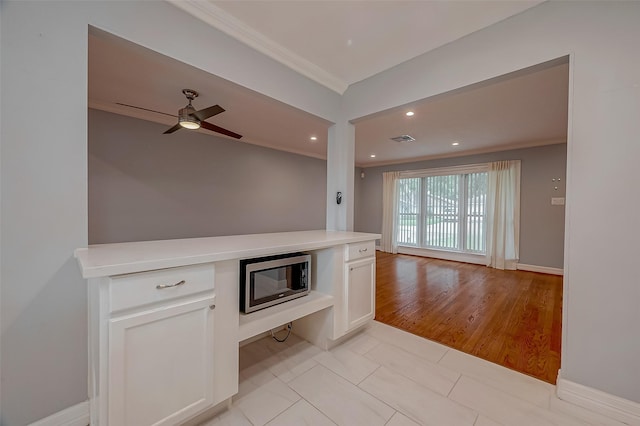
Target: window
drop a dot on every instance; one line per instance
(444, 211)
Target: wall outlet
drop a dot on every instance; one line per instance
(557, 201)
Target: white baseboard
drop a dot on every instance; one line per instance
(597, 401)
(541, 269)
(78, 415)
(472, 258)
(444, 255)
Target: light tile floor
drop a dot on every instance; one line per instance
(385, 376)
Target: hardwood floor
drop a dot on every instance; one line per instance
(512, 318)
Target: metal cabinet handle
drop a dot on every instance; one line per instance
(212, 307)
(363, 250)
(161, 286)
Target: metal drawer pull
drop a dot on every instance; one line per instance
(161, 286)
(212, 307)
(363, 250)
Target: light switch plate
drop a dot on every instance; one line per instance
(557, 201)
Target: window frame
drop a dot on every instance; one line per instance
(464, 171)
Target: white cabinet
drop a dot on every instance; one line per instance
(159, 352)
(161, 364)
(160, 355)
(359, 284)
(347, 273)
(359, 291)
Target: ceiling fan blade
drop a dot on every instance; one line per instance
(146, 109)
(203, 114)
(173, 129)
(219, 129)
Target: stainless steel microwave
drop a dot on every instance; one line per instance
(267, 281)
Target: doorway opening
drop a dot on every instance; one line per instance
(512, 318)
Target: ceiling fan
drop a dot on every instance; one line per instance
(191, 119)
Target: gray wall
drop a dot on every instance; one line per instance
(600, 298)
(44, 214)
(541, 224)
(144, 185)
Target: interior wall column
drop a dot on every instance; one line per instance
(340, 166)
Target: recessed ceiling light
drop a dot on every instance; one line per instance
(372, 156)
(409, 113)
(455, 143)
(313, 138)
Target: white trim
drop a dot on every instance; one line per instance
(211, 14)
(466, 153)
(77, 415)
(597, 401)
(541, 269)
(445, 171)
(566, 282)
(478, 259)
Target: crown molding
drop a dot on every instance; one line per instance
(499, 148)
(211, 14)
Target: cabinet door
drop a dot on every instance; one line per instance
(360, 281)
(161, 364)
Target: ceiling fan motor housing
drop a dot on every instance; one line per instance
(186, 119)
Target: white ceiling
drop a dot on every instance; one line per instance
(338, 43)
(525, 109)
(123, 72)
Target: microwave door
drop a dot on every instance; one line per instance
(271, 283)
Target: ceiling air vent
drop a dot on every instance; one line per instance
(403, 138)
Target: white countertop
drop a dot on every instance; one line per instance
(123, 258)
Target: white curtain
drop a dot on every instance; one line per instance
(389, 241)
(503, 214)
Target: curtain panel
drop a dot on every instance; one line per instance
(503, 214)
(389, 240)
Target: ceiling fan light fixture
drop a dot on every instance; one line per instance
(190, 123)
(187, 120)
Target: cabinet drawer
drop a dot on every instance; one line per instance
(129, 291)
(360, 250)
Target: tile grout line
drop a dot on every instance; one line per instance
(414, 354)
(368, 375)
(311, 404)
(406, 414)
(454, 385)
(392, 416)
(357, 387)
(443, 355)
(273, 418)
(413, 379)
(475, 421)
